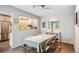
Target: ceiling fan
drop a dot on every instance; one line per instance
(41, 6)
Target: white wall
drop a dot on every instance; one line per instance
(66, 18)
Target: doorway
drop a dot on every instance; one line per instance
(5, 30)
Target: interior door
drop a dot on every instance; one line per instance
(4, 27)
(0, 29)
(5, 30)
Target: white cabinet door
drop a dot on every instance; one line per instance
(76, 43)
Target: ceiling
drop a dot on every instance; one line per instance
(52, 9)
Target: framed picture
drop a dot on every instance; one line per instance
(77, 18)
(44, 24)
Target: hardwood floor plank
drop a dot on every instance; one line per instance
(5, 48)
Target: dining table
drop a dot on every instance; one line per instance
(37, 41)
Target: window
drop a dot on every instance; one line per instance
(53, 24)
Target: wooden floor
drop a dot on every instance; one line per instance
(4, 45)
(5, 48)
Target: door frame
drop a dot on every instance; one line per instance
(11, 34)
